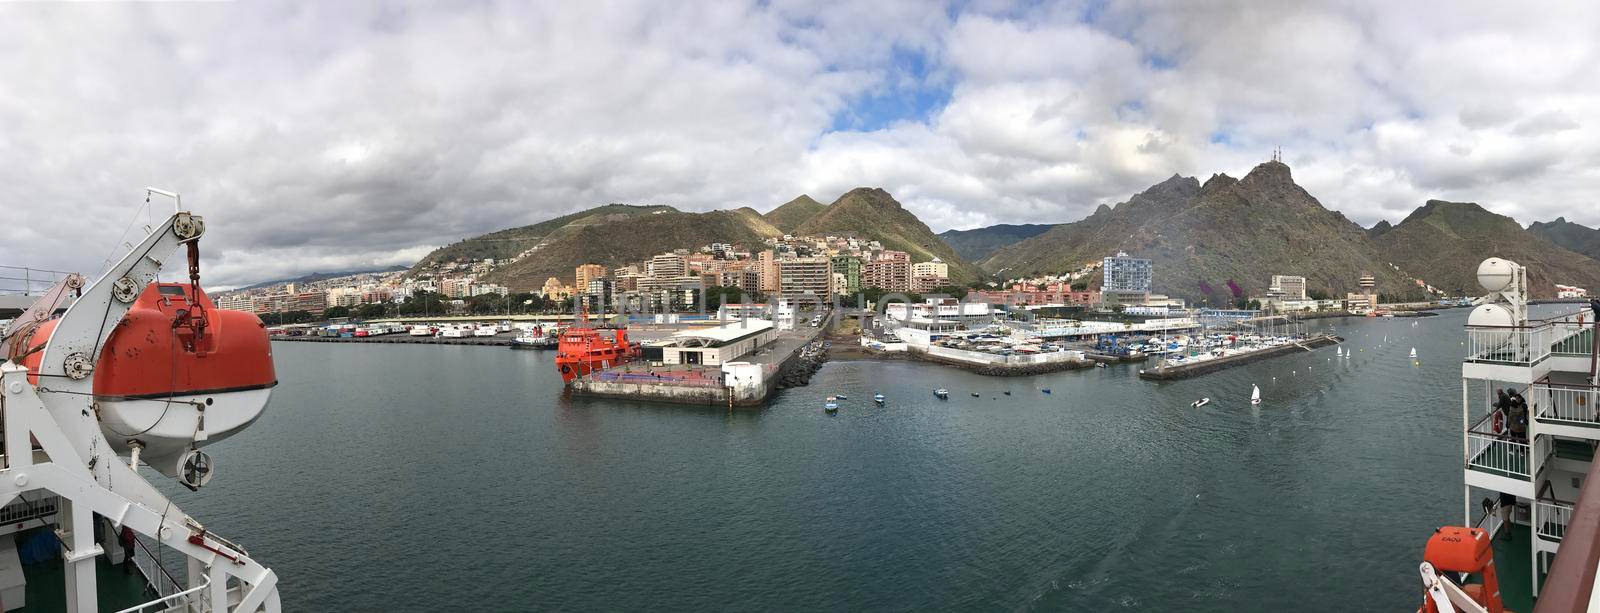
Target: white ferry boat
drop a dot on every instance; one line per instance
(1530, 538)
(86, 419)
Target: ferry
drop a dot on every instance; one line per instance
(1530, 533)
(582, 349)
(107, 397)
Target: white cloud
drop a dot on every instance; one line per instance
(331, 135)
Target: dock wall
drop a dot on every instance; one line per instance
(1184, 371)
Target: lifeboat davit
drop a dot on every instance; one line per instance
(175, 374)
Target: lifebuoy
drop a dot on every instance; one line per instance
(1499, 422)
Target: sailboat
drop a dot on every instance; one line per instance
(1413, 353)
(1255, 394)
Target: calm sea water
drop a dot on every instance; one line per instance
(422, 478)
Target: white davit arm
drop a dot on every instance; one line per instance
(1446, 595)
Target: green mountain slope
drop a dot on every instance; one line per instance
(1570, 236)
(790, 215)
(617, 240)
(872, 213)
(506, 243)
(979, 243)
(1443, 242)
(1200, 237)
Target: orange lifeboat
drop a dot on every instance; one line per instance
(175, 371)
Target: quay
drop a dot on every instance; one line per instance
(486, 341)
(741, 364)
(1194, 369)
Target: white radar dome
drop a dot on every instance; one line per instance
(1495, 274)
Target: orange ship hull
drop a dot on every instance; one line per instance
(583, 350)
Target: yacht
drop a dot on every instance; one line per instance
(1528, 460)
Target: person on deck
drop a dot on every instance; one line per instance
(127, 539)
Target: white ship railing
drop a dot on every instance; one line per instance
(158, 575)
(1573, 403)
(170, 601)
(1518, 345)
(1551, 518)
(1498, 453)
(24, 509)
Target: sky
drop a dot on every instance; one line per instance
(323, 136)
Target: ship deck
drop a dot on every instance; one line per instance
(1513, 561)
(46, 590)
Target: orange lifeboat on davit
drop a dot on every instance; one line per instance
(176, 372)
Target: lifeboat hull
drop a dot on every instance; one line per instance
(170, 383)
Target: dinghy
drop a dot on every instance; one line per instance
(1200, 403)
(1255, 394)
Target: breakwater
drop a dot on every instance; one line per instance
(487, 341)
(1195, 369)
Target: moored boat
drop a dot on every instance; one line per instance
(582, 349)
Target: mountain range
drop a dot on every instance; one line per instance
(1203, 237)
(1206, 241)
(1571, 236)
(1443, 242)
(619, 234)
(979, 243)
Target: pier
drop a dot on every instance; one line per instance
(1195, 369)
(748, 381)
(486, 341)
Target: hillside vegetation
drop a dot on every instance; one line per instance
(871, 213)
(1443, 242)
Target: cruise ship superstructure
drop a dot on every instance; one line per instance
(1532, 528)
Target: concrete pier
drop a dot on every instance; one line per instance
(1184, 371)
(749, 381)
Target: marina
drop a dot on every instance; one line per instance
(782, 497)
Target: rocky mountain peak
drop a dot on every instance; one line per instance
(1269, 173)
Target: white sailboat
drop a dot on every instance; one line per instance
(1413, 353)
(1255, 394)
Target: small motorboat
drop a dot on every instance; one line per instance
(1007, 392)
(975, 395)
(832, 407)
(1099, 364)
(1200, 403)
(878, 398)
(1045, 390)
(942, 393)
(842, 397)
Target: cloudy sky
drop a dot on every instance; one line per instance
(337, 135)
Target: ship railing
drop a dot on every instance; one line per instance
(1497, 453)
(1565, 402)
(1573, 336)
(1515, 345)
(25, 281)
(1551, 518)
(160, 578)
(173, 601)
(24, 509)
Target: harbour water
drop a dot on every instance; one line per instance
(425, 478)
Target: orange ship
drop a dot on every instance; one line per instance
(583, 350)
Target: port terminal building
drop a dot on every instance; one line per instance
(712, 346)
